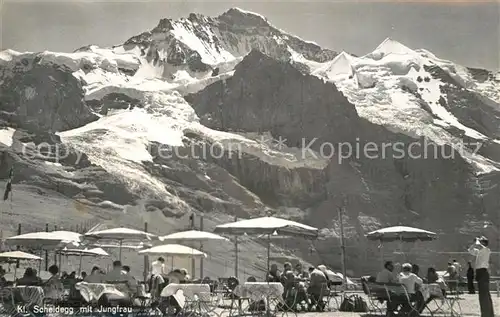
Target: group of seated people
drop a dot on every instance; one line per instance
(302, 288)
(408, 275)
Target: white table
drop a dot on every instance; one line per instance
(183, 292)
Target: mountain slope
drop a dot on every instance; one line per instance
(230, 116)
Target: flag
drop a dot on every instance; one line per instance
(8, 188)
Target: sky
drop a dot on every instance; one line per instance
(466, 32)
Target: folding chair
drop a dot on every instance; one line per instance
(376, 294)
(452, 298)
(398, 295)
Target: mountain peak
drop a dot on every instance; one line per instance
(391, 46)
(236, 10)
(239, 16)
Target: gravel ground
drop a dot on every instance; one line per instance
(469, 306)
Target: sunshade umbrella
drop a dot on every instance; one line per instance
(95, 252)
(268, 226)
(44, 240)
(139, 246)
(173, 250)
(18, 255)
(85, 252)
(193, 236)
(401, 234)
(119, 234)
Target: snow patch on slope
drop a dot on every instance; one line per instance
(383, 88)
(210, 53)
(6, 136)
(390, 47)
(340, 66)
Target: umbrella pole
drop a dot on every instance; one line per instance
(401, 247)
(40, 263)
(80, 266)
(236, 257)
(268, 308)
(382, 252)
(268, 254)
(120, 251)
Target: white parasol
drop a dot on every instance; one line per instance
(174, 250)
(19, 255)
(401, 234)
(193, 236)
(120, 234)
(44, 240)
(270, 226)
(267, 225)
(95, 252)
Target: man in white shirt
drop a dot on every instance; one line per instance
(482, 253)
(158, 269)
(410, 281)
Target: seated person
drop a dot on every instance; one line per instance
(29, 278)
(323, 269)
(287, 277)
(175, 277)
(432, 276)
(300, 273)
(273, 276)
(118, 276)
(3, 281)
(451, 272)
(387, 274)
(53, 288)
(95, 276)
(317, 288)
(415, 269)
(412, 283)
(185, 276)
(40, 282)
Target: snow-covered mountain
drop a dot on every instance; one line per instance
(182, 118)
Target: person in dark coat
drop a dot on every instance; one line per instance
(470, 279)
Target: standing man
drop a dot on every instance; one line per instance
(470, 279)
(482, 253)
